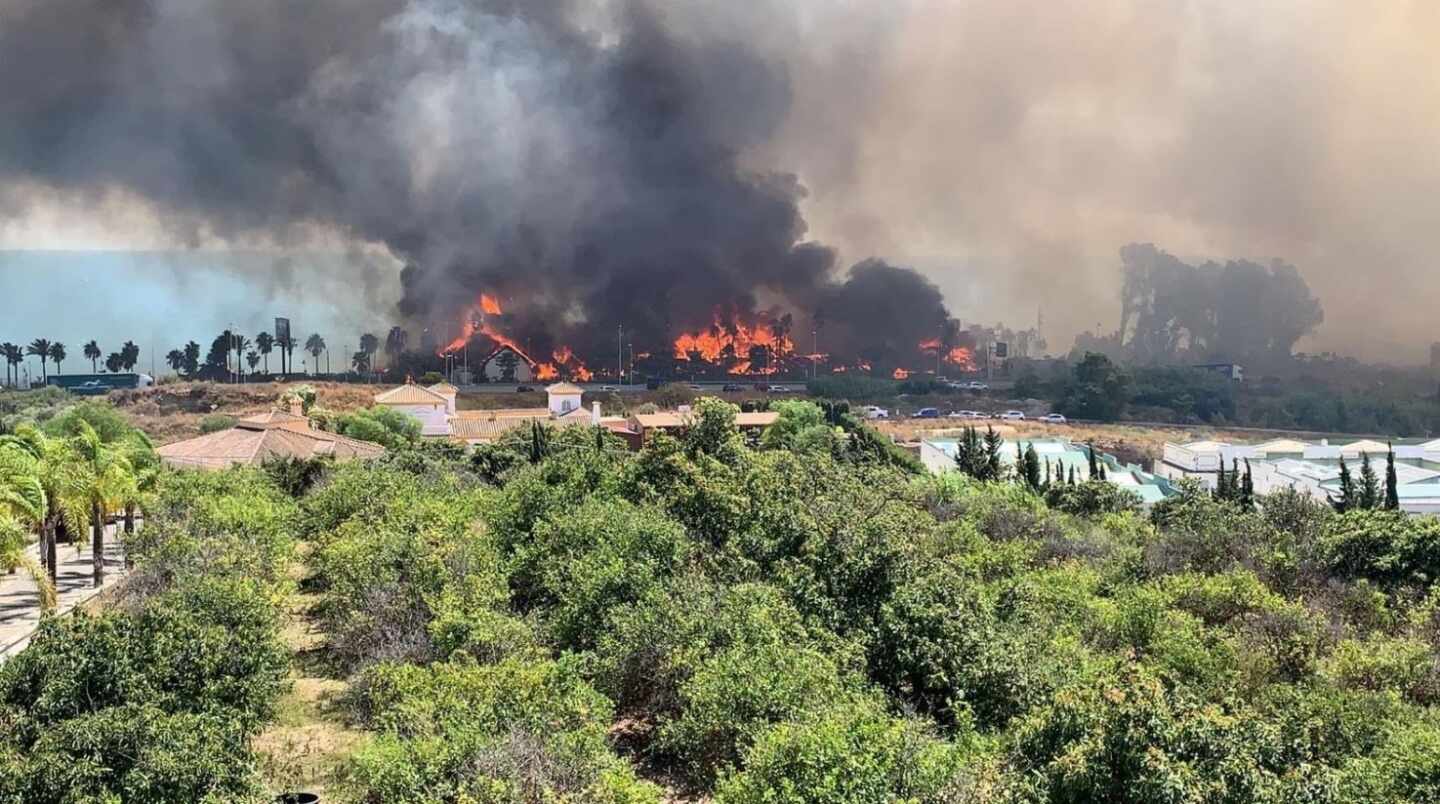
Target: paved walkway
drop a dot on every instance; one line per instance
(20, 603)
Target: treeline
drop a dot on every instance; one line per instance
(1099, 389)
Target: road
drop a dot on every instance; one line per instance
(20, 603)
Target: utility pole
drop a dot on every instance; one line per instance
(620, 353)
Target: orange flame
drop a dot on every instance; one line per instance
(901, 374)
(955, 355)
(490, 304)
(732, 338)
(546, 371)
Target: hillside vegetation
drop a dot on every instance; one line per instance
(800, 619)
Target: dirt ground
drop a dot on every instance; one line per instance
(172, 412)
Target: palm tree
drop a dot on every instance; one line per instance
(115, 363)
(40, 347)
(361, 361)
(265, 343)
(101, 478)
(175, 359)
(192, 358)
(253, 359)
(129, 355)
(22, 510)
(315, 345)
(57, 354)
(92, 351)
(241, 344)
(287, 345)
(13, 355)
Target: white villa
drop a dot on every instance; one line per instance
(435, 408)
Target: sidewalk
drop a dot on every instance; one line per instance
(20, 605)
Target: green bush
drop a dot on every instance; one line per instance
(215, 422)
(850, 755)
(516, 732)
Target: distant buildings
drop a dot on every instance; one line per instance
(1312, 467)
(1064, 457)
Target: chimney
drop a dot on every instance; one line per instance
(595, 413)
(297, 408)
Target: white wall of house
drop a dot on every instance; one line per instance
(561, 404)
(434, 419)
(492, 371)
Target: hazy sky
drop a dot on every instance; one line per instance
(1010, 149)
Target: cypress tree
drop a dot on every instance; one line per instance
(1222, 486)
(1235, 479)
(1032, 468)
(1346, 500)
(1047, 473)
(1071, 480)
(1369, 484)
(1247, 489)
(994, 470)
(1094, 462)
(969, 457)
(1392, 483)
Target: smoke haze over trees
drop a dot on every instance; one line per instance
(1237, 312)
(595, 163)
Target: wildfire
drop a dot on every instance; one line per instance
(731, 338)
(490, 304)
(955, 355)
(547, 371)
(901, 374)
(476, 323)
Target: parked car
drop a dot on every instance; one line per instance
(875, 412)
(975, 385)
(732, 387)
(1013, 416)
(927, 413)
(608, 388)
(523, 389)
(971, 414)
(695, 386)
(779, 389)
(1053, 418)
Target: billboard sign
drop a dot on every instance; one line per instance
(282, 330)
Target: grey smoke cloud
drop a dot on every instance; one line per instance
(643, 162)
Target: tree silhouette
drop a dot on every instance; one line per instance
(57, 354)
(1369, 484)
(252, 358)
(92, 351)
(395, 343)
(14, 356)
(265, 343)
(40, 347)
(361, 361)
(176, 360)
(129, 355)
(315, 345)
(508, 362)
(1346, 500)
(287, 348)
(192, 358)
(1392, 482)
(115, 363)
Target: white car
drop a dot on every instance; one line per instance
(1053, 418)
(874, 412)
(978, 386)
(1013, 416)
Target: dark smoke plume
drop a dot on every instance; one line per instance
(581, 163)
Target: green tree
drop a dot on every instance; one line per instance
(176, 360)
(970, 456)
(57, 354)
(252, 359)
(994, 466)
(1392, 482)
(93, 353)
(1247, 489)
(1369, 484)
(115, 363)
(40, 348)
(1347, 499)
(1098, 390)
(1031, 465)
